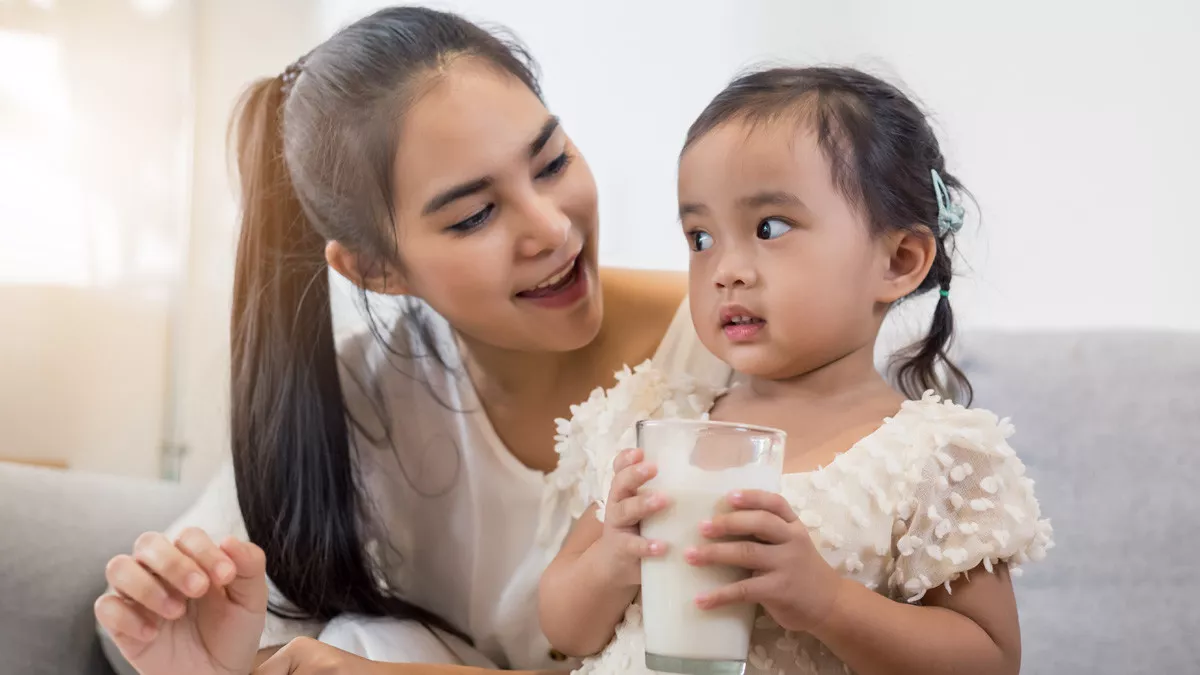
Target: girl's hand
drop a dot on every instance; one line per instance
(621, 543)
(187, 606)
(789, 577)
(305, 656)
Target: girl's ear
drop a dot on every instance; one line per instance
(377, 278)
(909, 255)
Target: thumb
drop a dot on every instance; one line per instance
(249, 588)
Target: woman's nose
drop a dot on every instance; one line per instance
(543, 227)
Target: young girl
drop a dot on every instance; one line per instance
(814, 200)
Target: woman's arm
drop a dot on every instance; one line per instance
(974, 630)
(305, 656)
(577, 605)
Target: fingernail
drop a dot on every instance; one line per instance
(224, 571)
(691, 555)
(706, 527)
(644, 469)
(194, 583)
(174, 607)
(655, 548)
(110, 611)
(701, 601)
(735, 496)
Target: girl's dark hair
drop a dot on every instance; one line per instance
(315, 149)
(881, 149)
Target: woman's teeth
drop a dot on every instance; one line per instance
(552, 281)
(738, 320)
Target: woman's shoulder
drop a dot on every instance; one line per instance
(639, 305)
(649, 310)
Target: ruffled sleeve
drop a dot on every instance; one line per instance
(973, 505)
(603, 426)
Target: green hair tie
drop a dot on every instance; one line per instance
(946, 294)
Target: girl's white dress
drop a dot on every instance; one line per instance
(933, 493)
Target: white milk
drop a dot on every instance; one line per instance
(674, 625)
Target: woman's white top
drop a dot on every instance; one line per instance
(461, 527)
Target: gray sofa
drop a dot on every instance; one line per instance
(1109, 425)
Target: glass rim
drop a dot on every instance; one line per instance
(730, 426)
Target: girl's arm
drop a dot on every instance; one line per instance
(974, 630)
(581, 598)
(586, 589)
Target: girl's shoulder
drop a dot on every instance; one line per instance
(604, 424)
(931, 424)
(962, 496)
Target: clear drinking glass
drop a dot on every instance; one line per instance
(699, 463)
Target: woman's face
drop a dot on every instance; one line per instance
(496, 213)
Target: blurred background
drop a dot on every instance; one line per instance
(1072, 122)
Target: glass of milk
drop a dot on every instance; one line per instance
(699, 463)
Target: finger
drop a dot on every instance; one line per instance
(302, 654)
(640, 547)
(748, 555)
(249, 585)
(754, 590)
(631, 511)
(135, 582)
(157, 554)
(627, 458)
(762, 525)
(125, 621)
(763, 501)
(197, 545)
(626, 483)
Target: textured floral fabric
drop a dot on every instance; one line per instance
(933, 493)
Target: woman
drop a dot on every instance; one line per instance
(406, 473)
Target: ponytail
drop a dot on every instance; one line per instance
(295, 471)
(915, 368)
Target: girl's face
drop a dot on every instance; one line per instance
(785, 276)
(496, 213)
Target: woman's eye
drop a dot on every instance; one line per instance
(772, 228)
(700, 240)
(555, 166)
(473, 221)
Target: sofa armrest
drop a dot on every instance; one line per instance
(57, 531)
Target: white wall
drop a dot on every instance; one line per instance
(1074, 124)
(94, 115)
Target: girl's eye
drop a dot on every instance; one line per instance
(700, 240)
(772, 228)
(473, 221)
(555, 166)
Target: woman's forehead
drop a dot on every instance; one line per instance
(471, 121)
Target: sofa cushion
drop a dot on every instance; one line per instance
(57, 531)
(1109, 426)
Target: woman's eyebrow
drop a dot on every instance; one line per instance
(457, 192)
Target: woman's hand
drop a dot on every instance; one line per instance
(187, 606)
(306, 656)
(789, 577)
(621, 543)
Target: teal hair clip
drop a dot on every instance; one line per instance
(950, 215)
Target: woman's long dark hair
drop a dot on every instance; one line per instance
(315, 149)
(881, 150)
